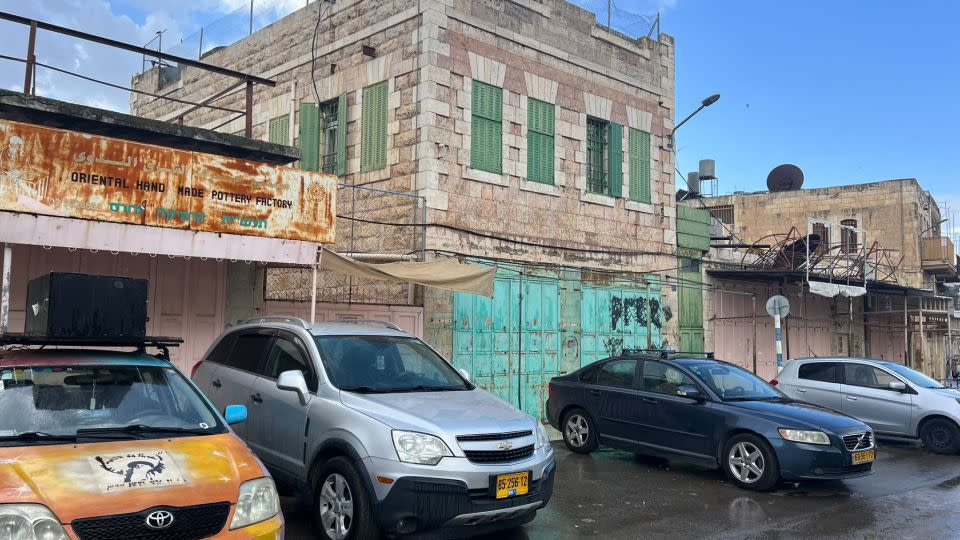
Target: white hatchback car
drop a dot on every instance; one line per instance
(891, 398)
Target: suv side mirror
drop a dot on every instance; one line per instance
(466, 375)
(235, 414)
(690, 391)
(899, 386)
(293, 380)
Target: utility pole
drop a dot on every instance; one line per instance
(251, 18)
(609, 11)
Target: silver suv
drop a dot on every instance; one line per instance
(891, 398)
(378, 432)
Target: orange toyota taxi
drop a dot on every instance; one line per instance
(98, 445)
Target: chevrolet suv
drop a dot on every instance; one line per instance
(376, 431)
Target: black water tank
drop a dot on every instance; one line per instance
(82, 305)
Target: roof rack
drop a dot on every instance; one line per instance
(279, 319)
(669, 353)
(370, 322)
(140, 342)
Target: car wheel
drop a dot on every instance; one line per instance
(940, 436)
(579, 432)
(341, 508)
(750, 463)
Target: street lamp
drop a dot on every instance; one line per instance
(703, 104)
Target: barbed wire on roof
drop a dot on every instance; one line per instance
(629, 23)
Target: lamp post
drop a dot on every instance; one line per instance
(703, 104)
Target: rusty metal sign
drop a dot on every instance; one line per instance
(76, 175)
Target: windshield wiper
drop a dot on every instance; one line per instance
(136, 430)
(759, 398)
(425, 388)
(363, 389)
(38, 436)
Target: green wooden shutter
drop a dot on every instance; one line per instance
(639, 166)
(278, 131)
(341, 167)
(616, 160)
(486, 140)
(309, 136)
(540, 141)
(373, 134)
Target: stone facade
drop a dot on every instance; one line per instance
(430, 52)
(894, 213)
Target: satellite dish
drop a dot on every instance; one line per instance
(785, 177)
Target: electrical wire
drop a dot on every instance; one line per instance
(510, 240)
(321, 11)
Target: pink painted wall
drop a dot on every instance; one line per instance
(186, 296)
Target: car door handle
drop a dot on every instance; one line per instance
(802, 390)
(216, 383)
(596, 393)
(650, 401)
(256, 398)
(851, 398)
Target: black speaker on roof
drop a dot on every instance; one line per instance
(81, 305)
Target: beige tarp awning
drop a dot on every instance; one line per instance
(441, 273)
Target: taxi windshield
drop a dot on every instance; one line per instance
(61, 403)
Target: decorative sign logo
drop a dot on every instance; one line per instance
(161, 519)
(505, 445)
(136, 470)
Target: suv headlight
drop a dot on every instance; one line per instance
(258, 501)
(413, 447)
(29, 522)
(801, 436)
(542, 437)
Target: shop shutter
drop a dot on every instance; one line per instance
(309, 137)
(373, 134)
(540, 141)
(341, 167)
(486, 143)
(616, 160)
(278, 131)
(639, 166)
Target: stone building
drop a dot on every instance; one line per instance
(534, 138)
(883, 237)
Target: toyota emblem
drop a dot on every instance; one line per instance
(161, 519)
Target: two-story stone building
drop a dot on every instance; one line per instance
(535, 138)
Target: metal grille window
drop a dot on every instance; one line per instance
(723, 214)
(848, 236)
(329, 124)
(597, 148)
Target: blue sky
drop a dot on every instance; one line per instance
(850, 91)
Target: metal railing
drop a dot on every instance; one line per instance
(31, 65)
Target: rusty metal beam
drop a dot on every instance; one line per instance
(133, 48)
(31, 58)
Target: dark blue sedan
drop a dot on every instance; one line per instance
(710, 413)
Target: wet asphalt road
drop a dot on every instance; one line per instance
(612, 494)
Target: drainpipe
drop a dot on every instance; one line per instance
(5, 289)
(754, 299)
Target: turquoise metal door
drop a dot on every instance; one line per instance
(617, 318)
(511, 344)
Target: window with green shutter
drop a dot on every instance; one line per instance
(597, 156)
(329, 124)
(309, 143)
(639, 166)
(486, 140)
(278, 131)
(373, 128)
(616, 160)
(540, 149)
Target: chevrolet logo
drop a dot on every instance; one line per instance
(504, 445)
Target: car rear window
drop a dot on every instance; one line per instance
(820, 371)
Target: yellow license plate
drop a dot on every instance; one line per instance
(864, 457)
(512, 485)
